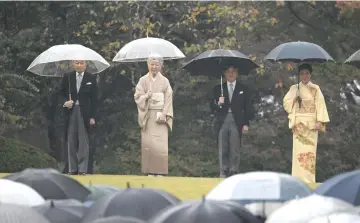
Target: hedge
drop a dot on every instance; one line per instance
(16, 156)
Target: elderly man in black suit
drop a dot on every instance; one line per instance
(232, 105)
(80, 89)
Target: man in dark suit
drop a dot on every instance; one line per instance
(80, 90)
(232, 105)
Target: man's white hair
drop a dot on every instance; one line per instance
(156, 57)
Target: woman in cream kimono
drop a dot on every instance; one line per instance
(305, 122)
(153, 96)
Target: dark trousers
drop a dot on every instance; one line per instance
(77, 143)
(229, 143)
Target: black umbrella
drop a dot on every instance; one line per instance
(10, 213)
(98, 191)
(51, 184)
(214, 62)
(354, 59)
(205, 211)
(62, 211)
(298, 52)
(141, 203)
(118, 219)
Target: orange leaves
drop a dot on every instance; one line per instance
(347, 6)
(273, 21)
(254, 12)
(280, 3)
(124, 28)
(108, 24)
(196, 11)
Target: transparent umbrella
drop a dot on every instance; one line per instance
(354, 59)
(139, 50)
(305, 209)
(56, 60)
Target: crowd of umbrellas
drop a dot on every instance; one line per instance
(47, 196)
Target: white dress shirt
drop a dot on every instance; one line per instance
(229, 89)
(79, 78)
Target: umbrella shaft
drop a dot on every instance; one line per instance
(299, 100)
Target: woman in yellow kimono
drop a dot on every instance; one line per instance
(305, 121)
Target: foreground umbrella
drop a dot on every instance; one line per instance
(139, 50)
(118, 219)
(205, 211)
(141, 203)
(51, 184)
(55, 61)
(354, 59)
(10, 213)
(259, 187)
(18, 193)
(62, 211)
(345, 186)
(99, 191)
(305, 209)
(298, 52)
(263, 209)
(337, 218)
(213, 62)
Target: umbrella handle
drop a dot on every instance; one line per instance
(222, 90)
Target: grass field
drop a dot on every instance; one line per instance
(185, 188)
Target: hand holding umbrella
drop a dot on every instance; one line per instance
(297, 52)
(213, 63)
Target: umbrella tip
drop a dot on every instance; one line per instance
(52, 204)
(90, 183)
(203, 198)
(128, 185)
(142, 185)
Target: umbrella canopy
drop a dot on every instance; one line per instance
(10, 213)
(214, 62)
(141, 203)
(18, 193)
(337, 218)
(259, 187)
(305, 209)
(345, 186)
(51, 184)
(62, 211)
(99, 191)
(139, 50)
(118, 219)
(263, 209)
(205, 211)
(55, 61)
(354, 59)
(298, 52)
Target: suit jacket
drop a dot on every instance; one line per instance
(87, 96)
(241, 106)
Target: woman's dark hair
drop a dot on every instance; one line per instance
(305, 66)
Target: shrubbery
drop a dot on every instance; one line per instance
(16, 156)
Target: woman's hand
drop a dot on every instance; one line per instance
(318, 126)
(149, 94)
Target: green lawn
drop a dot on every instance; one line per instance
(185, 188)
